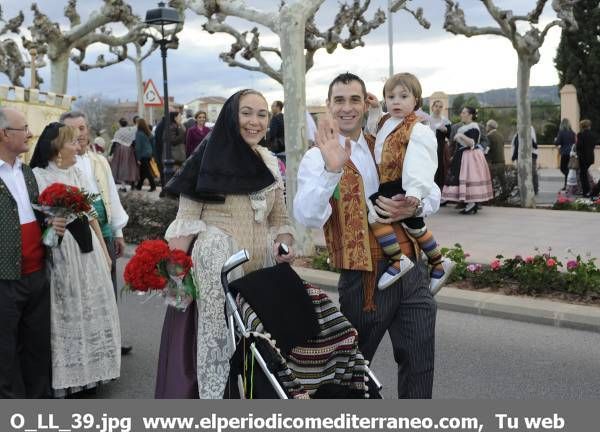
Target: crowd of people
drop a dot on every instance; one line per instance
(369, 186)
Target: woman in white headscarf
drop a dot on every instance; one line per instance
(123, 163)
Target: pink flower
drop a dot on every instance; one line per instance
(529, 259)
(550, 262)
(572, 265)
(495, 265)
(472, 268)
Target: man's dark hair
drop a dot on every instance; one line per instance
(123, 122)
(279, 104)
(347, 78)
(72, 115)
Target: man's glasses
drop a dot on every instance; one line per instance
(23, 129)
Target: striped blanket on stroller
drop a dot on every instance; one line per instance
(331, 360)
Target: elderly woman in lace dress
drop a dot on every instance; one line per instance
(85, 330)
(231, 197)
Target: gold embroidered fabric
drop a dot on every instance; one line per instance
(394, 149)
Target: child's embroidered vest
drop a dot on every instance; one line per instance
(394, 148)
(350, 242)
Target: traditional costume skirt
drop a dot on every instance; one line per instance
(124, 165)
(474, 180)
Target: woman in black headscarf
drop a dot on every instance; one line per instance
(231, 197)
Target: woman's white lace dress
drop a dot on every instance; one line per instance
(85, 332)
(243, 221)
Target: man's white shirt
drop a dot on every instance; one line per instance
(118, 215)
(316, 185)
(13, 178)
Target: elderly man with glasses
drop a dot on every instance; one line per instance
(24, 288)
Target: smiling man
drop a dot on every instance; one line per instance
(335, 178)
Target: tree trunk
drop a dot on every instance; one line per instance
(524, 163)
(291, 34)
(59, 74)
(139, 81)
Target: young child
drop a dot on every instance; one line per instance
(406, 154)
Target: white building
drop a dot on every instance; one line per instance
(210, 104)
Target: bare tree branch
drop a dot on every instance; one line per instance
(534, 15)
(11, 62)
(237, 8)
(417, 14)
(72, 14)
(247, 49)
(13, 25)
(120, 53)
(350, 18)
(47, 36)
(455, 23)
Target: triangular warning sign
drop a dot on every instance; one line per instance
(151, 96)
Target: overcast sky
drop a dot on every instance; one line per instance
(442, 61)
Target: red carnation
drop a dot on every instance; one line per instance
(181, 262)
(69, 198)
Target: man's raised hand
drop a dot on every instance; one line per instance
(327, 140)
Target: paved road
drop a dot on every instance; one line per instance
(476, 357)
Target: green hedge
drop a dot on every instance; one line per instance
(149, 215)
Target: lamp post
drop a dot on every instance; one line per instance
(393, 6)
(390, 38)
(164, 20)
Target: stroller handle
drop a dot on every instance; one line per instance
(235, 260)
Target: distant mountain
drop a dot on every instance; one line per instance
(508, 96)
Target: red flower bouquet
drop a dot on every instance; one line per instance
(155, 267)
(61, 200)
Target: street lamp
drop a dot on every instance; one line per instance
(164, 20)
(393, 6)
(390, 38)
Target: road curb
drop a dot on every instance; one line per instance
(539, 311)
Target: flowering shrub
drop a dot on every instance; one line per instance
(458, 255)
(565, 202)
(541, 272)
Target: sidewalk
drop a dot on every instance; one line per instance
(511, 231)
(517, 308)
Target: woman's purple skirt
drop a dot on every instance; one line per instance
(176, 377)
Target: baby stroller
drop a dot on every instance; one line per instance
(291, 340)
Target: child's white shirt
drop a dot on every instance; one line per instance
(420, 160)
